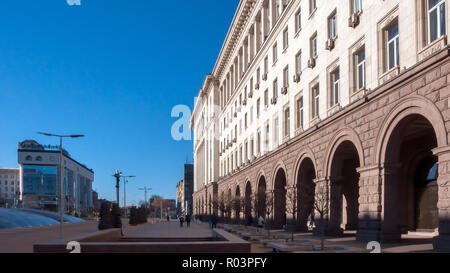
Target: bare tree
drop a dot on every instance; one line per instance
(242, 205)
(228, 206)
(321, 207)
(236, 203)
(292, 205)
(221, 205)
(269, 211)
(255, 206)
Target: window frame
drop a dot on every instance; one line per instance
(436, 8)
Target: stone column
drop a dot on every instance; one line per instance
(265, 23)
(369, 223)
(441, 242)
(390, 179)
(335, 207)
(273, 12)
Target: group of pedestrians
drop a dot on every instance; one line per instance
(186, 219)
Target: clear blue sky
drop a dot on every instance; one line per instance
(112, 70)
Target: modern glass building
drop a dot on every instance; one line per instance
(39, 176)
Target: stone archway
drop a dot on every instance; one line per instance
(306, 174)
(344, 188)
(279, 195)
(410, 192)
(237, 205)
(262, 187)
(248, 202)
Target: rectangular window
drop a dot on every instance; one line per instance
(285, 38)
(315, 94)
(334, 94)
(332, 26)
(357, 6)
(258, 143)
(266, 65)
(275, 53)
(286, 77)
(436, 19)
(266, 98)
(392, 47)
(287, 123)
(258, 75)
(298, 63)
(267, 137)
(313, 45)
(312, 6)
(360, 61)
(276, 127)
(258, 109)
(245, 121)
(298, 21)
(275, 88)
(300, 113)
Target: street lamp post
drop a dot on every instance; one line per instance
(61, 183)
(145, 189)
(125, 192)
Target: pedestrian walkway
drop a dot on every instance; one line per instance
(22, 240)
(170, 229)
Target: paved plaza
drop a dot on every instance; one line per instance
(21, 240)
(170, 229)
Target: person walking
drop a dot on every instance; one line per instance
(188, 220)
(214, 221)
(260, 222)
(181, 220)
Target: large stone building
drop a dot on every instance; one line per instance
(39, 176)
(180, 197)
(10, 188)
(346, 101)
(185, 190)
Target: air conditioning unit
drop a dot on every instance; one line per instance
(297, 76)
(284, 90)
(257, 86)
(250, 94)
(244, 102)
(273, 101)
(234, 140)
(311, 63)
(264, 77)
(353, 21)
(329, 45)
(235, 115)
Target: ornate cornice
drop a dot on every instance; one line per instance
(235, 32)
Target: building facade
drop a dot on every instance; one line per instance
(180, 197)
(39, 167)
(345, 102)
(10, 188)
(188, 188)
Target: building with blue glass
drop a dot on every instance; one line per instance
(39, 167)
